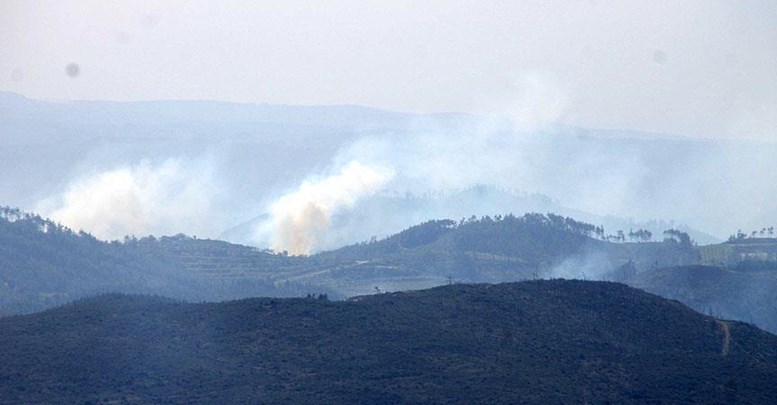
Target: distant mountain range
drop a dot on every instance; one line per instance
(531, 342)
(254, 153)
(47, 143)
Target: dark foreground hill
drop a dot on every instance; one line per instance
(530, 342)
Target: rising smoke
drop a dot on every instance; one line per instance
(299, 219)
(173, 196)
(438, 158)
(713, 186)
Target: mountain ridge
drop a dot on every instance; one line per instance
(43, 264)
(533, 341)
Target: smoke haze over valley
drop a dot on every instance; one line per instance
(282, 185)
(444, 201)
(612, 112)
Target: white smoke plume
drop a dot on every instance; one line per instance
(529, 101)
(594, 265)
(712, 186)
(716, 187)
(172, 197)
(299, 218)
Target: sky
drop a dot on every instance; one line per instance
(693, 68)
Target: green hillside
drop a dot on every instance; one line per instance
(740, 249)
(43, 264)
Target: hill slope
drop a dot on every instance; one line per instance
(43, 264)
(532, 342)
(746, 291)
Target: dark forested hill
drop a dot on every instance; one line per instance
(43, 264)
(530, 342)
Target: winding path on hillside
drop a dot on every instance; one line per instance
(724, 326)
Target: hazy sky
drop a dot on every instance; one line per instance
(705, 68)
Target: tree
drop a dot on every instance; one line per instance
(678, 237)
(644, 235)
(599, 232)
